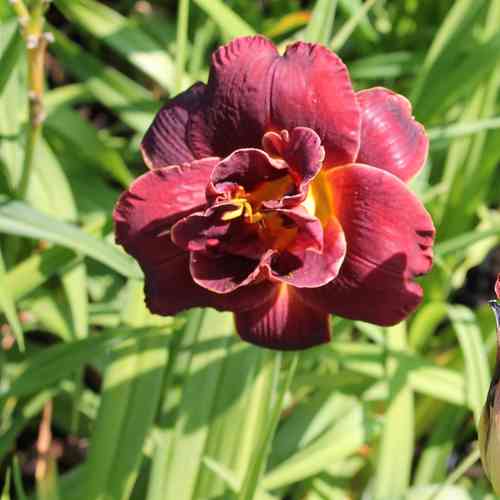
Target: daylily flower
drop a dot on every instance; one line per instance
(277, 192)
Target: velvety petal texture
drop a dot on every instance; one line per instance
(165, 143)
(252, 90)
(143, 217)
(389, 238)
(391, 139)
(145, 213)
(285, 323)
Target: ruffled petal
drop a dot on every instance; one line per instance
(236, 113)
(312, 267)
(249, 168)
(153, 203)
(391, 139)
(169, 289)
(203, 230)
(389, 238)
(224, 274)
(302, 151)
(253, 90)
(311, 88)
(284, 323)
(165, 142)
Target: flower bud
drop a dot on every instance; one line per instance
(489, 424)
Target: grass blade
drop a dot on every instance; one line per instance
(230, 24)
(320, 27)
(21, 220)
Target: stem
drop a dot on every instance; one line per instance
(181, 46)
(32, 23)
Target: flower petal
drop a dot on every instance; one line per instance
(170, 289)
(253, 90)
(389, 238)
(236, 113)
(301, 149)
(202, 230)
(165, 142)
(153, 203)
(311, 88)
(248, 168)
(225, 273)
(313, 267)
(391, 139)
(284, 323)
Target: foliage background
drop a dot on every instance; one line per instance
(101, 400)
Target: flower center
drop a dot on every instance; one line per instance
(272, 228)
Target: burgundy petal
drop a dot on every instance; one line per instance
(170, 289)
(248, 168)
(284, 323)
(311, 88)
(391, 139)
(203, 230)
(389, 238)
(236, 114)
(301, 149)
(225, 273)
(253, 90)
(153, 203)
(165, 142)
(314, 267)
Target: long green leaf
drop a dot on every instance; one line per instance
(477, 373)
(320, 26)
(230, 23)
(7, 305)
(393, 469)
(124, 36)
(19, 219)
(131, 391)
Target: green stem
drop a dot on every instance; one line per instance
(181, 45)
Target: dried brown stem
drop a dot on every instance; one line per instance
(32, 24)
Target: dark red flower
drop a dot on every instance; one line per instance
(277, 192)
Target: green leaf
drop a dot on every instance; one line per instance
(460, 79)
(17, 218)
(55, 363)
(133, 104)
(458, 245)
(230, 24)
(453, 34)
(131, 392)
(352, 7)
(6, 487)
(83, 138)
(9, 57)
(7, 305)
(477, 373)
(347, 432)
(393, 467)
(123, 36)
(320, 27)
(260, 455)
(199, 396)
(350, 25)
(34, 271)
